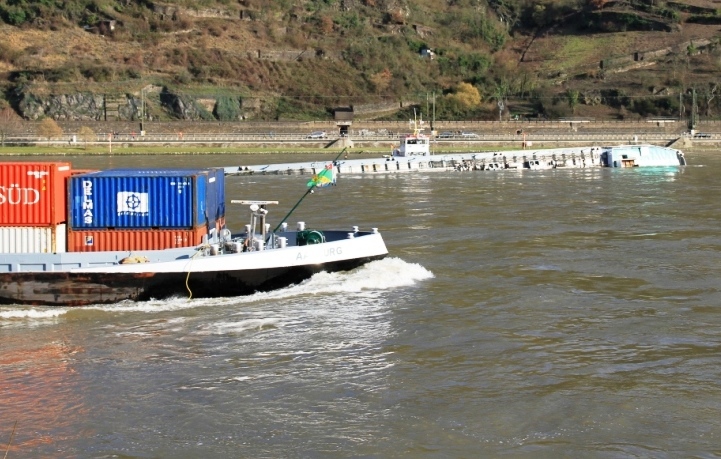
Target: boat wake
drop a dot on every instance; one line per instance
(386, 274)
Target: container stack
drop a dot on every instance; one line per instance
(33, 207)
(145, 209)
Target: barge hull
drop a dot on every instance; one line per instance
(82, 289)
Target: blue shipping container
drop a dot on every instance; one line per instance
(215, 198)
(145, 198)
(217, 184)
(215, 202)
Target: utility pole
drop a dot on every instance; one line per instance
(694, 109)
(142, 110)
(427, 109)
(433, 118)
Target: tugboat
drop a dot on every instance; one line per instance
(414, 144)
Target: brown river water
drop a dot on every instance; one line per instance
(558, 313)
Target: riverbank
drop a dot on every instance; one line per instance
(378, 137)
(279, 148)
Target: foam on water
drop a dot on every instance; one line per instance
(385, 274)
(239, 326)
(31, 313)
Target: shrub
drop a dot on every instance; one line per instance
(13, 15)
(466, 65)
(644, 107)
(49, 129)
(227, 108)
(8, 54)
(205, 115)
(86, 134)
(183, 77)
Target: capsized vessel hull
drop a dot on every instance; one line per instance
(424, 161)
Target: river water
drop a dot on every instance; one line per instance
(558, 313)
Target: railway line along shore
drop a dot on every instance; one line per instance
(183, 137)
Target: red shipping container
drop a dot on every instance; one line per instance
(133, 239)
(33, 194)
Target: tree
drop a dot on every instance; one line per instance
(86, 135)
(381, 80)
(500, 93)
(9, 122)
(466, 95)
(539, 15)
(49, 129)
(326, 25)
(709, 94)
(597, 4)
(573, 97)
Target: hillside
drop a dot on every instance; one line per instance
(298, 59)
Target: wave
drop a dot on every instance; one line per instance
(386, 274)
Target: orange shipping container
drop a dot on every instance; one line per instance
(133, 239)
(33, 194)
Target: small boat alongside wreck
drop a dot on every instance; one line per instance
(414, 155)
(40, 266)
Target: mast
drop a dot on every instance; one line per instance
(309, 191)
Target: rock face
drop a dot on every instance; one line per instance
(184, 107)
(85, 106)
(78, 106)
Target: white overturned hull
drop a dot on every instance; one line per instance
(573, 157)
(77, 279)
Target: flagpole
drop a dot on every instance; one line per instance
(310, 190)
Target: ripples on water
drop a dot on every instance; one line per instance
(560, 313)
(166, 368)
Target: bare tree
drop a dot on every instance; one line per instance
(500, 93)
(709, 94)
(86, 135)
(9, 122)
(49, 129)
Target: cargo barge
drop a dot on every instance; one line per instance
(142, 234)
